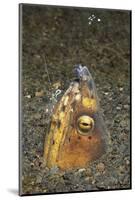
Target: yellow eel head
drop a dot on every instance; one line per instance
(77, 132)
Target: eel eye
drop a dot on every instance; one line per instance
(85, 125)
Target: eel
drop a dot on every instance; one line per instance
(77, 133)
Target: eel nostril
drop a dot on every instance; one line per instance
(89, 137)
(79, 137)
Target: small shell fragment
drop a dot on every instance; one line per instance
(39, 94)
(56, 85)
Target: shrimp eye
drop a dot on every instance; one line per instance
(85, 125)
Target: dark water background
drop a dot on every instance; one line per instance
(63, 37)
